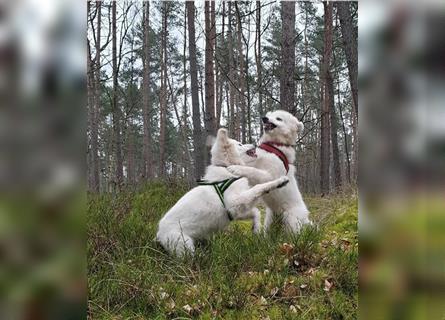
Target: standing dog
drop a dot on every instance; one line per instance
(275, 156)
(220, 198)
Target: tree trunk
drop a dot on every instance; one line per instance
(219, 77)
(163, 91)
(94, 77)
(241, 78)
(334, 133)
(209, 116)
(287, 82)
(115, 106)
(258, 62)
(233, 130)
(146, 105)
(197, 137)
(325, 142)
(349, 36)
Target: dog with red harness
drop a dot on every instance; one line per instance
(275, 158)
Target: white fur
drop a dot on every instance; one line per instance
(286, 201)
(199, 213)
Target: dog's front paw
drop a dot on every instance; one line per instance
(282, 181)
(236, 170)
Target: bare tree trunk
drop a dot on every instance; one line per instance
(197, 137)
(258, 62)
(345, 137)
(233, 130)
(241, 78)
(325, 142)
(130, 157)
(163, 91)
(94, 105)
(209, 117)
(146, 105)
(287, 82)
(219, 77)
(94, 77)
(185, 130)
(115, 106)
(349, 37)
(334, 133)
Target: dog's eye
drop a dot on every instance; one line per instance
(240, 144)
(279, 119)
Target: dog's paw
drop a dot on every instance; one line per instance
(236, 170)
(282, 182)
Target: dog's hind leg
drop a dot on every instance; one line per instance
(177, 243)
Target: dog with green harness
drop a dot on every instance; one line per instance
(219, 198)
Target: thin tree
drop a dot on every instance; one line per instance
(258, 61)
(233, 129)
(146, 104)
(163, 90)
(349, 36)
(94, 84)
(325, 125)
(115, 107)
(287, 82)
(197, 137)
(349, 33)
(241, 75)
(209, 116)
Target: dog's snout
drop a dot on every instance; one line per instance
(265, 119)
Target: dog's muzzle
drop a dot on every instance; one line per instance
(251, 153)
(267, 124)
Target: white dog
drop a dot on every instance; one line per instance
(220, 198)
(275, 156)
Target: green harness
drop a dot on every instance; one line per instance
(220, 187)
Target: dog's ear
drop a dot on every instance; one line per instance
(300, 126)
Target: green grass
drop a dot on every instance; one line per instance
(234, 275)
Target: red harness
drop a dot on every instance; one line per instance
(268, 146)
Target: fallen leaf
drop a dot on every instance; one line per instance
(327, 285)
(187, 308)
(274, 291)
(263, 301)
(303, 286)
(287, 249)
(293, 309)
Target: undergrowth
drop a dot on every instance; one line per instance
(233, 275)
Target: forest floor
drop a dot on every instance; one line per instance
(234, 275)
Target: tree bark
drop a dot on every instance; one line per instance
(349, 36)
(94, 80)
(258, 62)
(241, 77)
(197, 137)
(334, 134)
(325, 127)
(163, 91)
(115, 106)
(233, 130)
(146, 104)
(287, 82)
(209, 116)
